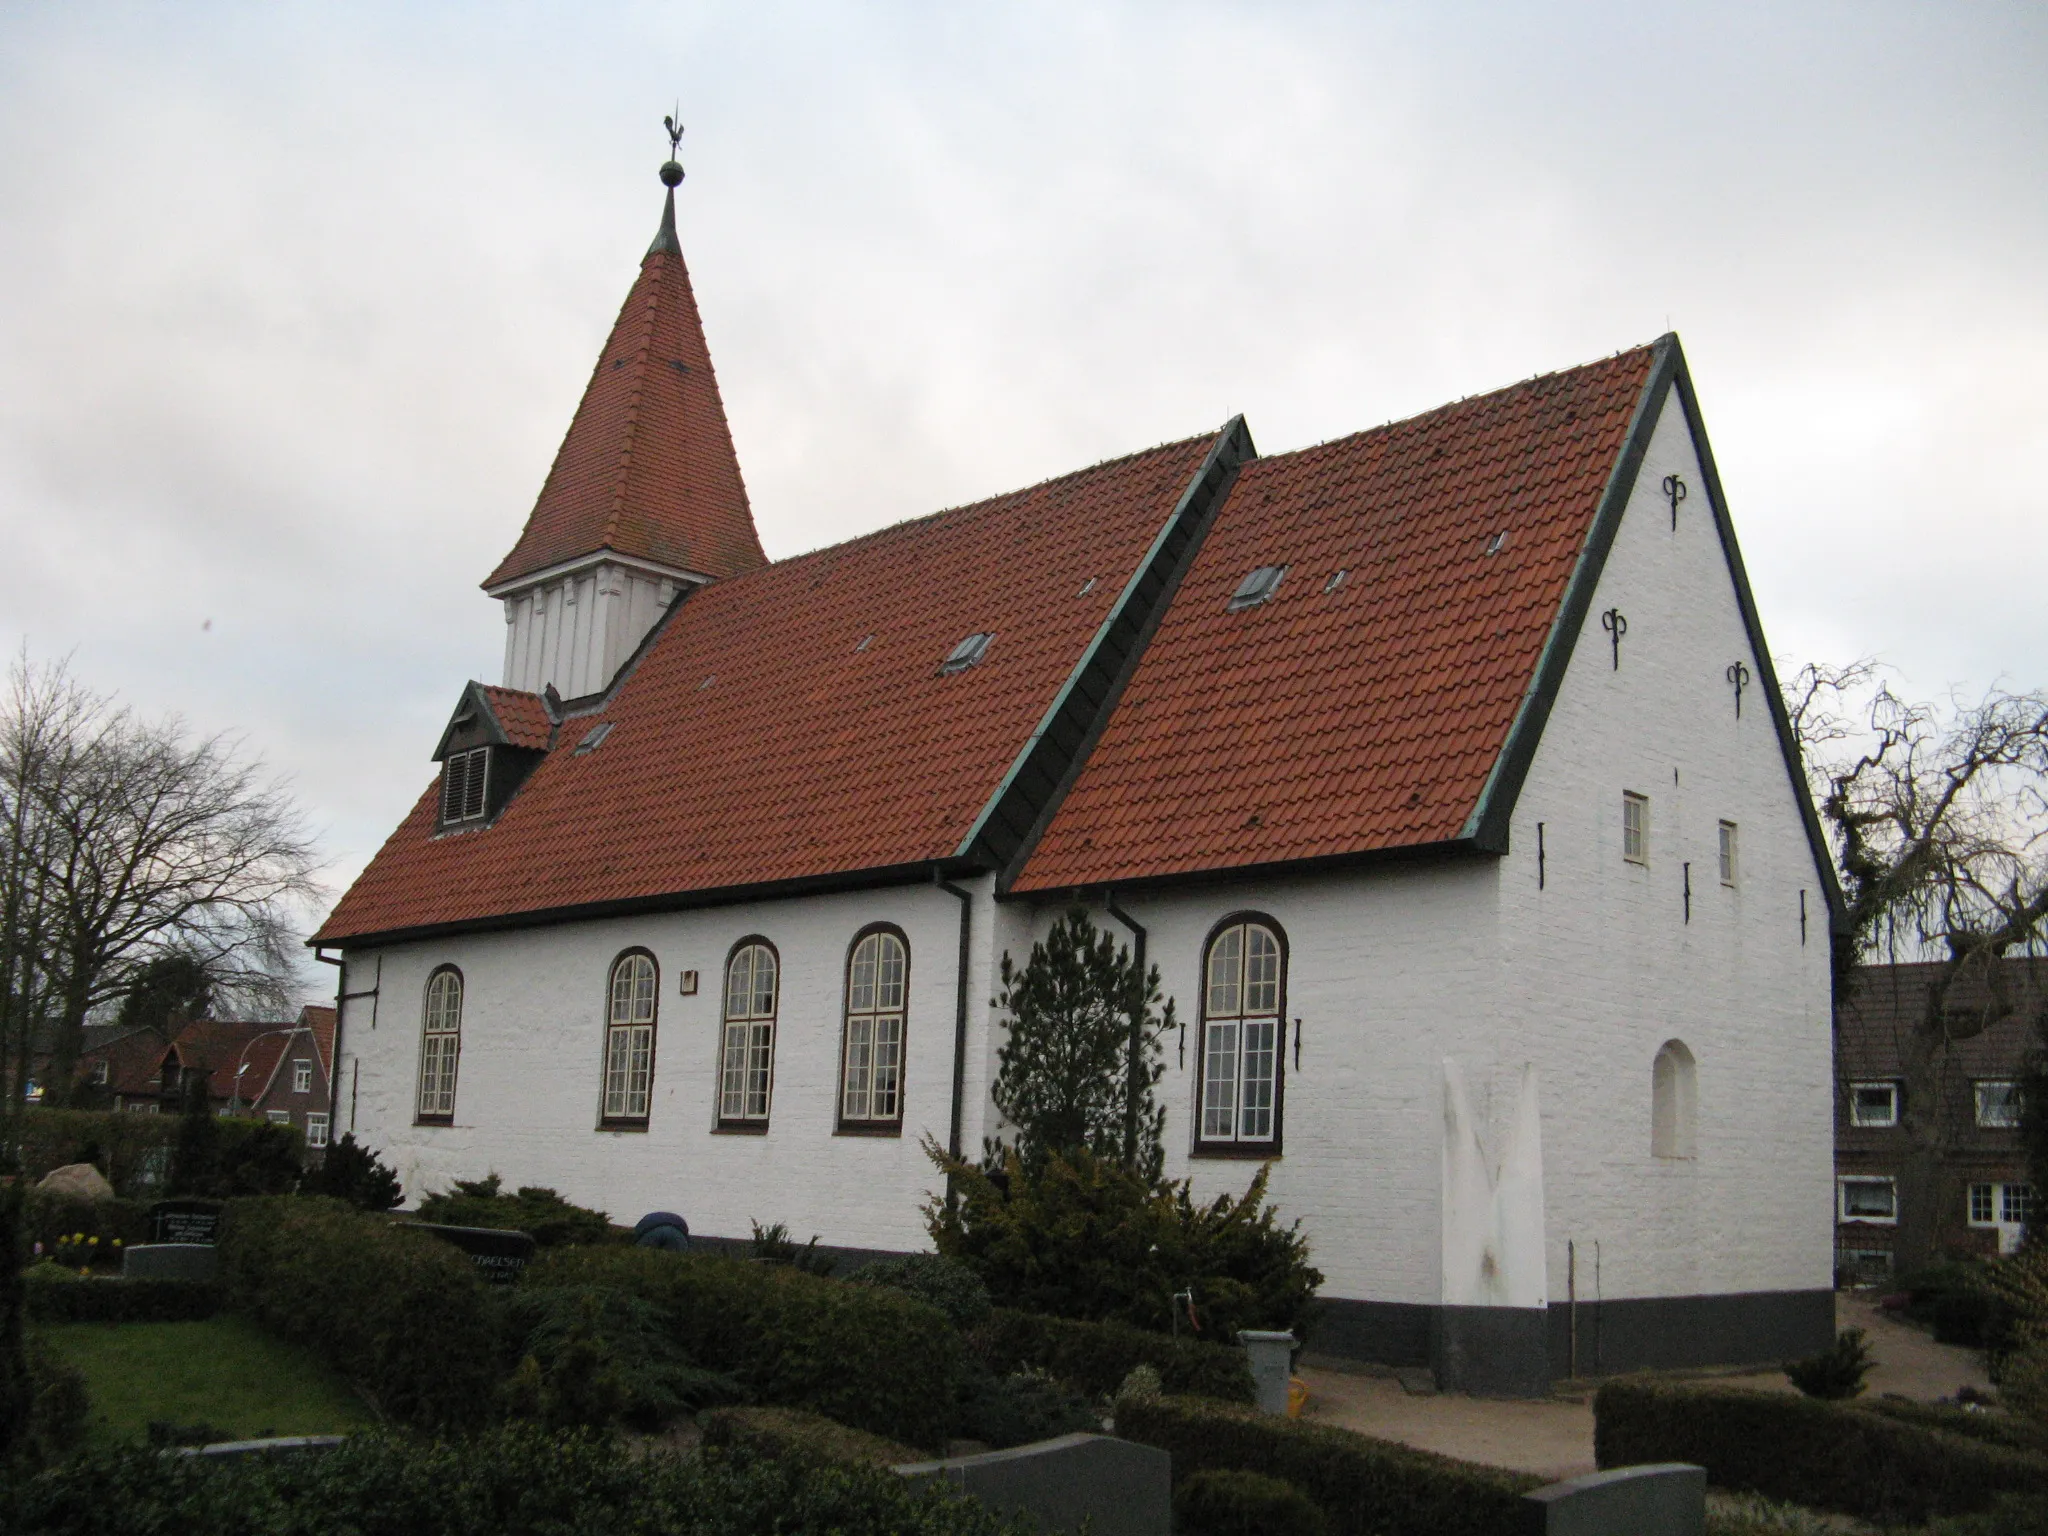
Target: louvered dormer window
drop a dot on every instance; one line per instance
(465, 776)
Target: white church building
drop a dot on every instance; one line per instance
(1441, 769)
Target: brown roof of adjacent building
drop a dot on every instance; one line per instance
(793, 722)
(319, 1021)
(1365, 704)
(647, 468)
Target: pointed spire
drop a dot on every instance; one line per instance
(647, 468)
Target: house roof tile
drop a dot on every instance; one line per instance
(1336, 721)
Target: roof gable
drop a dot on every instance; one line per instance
(793, 724)
(1362, 712)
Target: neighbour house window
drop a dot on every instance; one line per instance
(1874, 1104)
(629, 1038)
(1983, 1205)
(464, 777)
(1874, 1200)
(2001, 1204)
(1243, 996)
(279, 1116)
(101, 1071)
(1674, 1101)
(748, 1067)
(1635, 827)
(1998, 1106)
(871, 1065)
(316, 1130)
(1728, 852)
(302, 1077)
(440, 1044)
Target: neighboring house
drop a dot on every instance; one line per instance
(1983, 1197)
(1440, 768)
(273, 1071)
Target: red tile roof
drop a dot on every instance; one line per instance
(1334, 721)
(521, 715)
(791, 722)
(647, 467)
(321, 1022)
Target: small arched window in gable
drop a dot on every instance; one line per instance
(440, 1045)
(871, 1069)
(747, 1065)
(1674, 1101)
(629, 1039)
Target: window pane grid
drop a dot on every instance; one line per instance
(749, 1045)
(1241, 1036)
(440, 1040)
(1635, 828)
(871, 1083)
(1982, 1206)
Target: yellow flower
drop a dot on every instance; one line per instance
(78, 1237)
(117, 1242)
(93, 1241)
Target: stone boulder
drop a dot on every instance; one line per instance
(77, 1181)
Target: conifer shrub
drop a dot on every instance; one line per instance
(945, 1283)
(867, 1356)
(541, 1213)
(594, 1356)
(350, 1171)
(400, 1313)
(1836, 1373)
(1836, 1456)
(1098, 1357)
(1229, 1503)
(517, 1481)
(1363, 1487)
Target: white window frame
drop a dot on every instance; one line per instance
(1857, 1115)
(1730, 849)
(631, 991)
(872, 1040)
(302, 1077)
(1240, 1076)
(278, 1116)
(465, 786)
(1985, 1121)
(1635, 828)
(746, 1075)
(440, 1047)
(316, 1129)
(2006, 1208)
(1842, 1186)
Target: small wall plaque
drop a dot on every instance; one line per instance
(689, 984)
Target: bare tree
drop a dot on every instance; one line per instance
(1938, 818)
(137, 839)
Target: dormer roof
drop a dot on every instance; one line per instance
(505, 717)
(647, 469)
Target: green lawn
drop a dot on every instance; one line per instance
(225, 1372)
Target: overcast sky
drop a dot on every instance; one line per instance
(297, 301)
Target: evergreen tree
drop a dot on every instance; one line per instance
(1083, 1055)
(169, 991)
(350, 1171)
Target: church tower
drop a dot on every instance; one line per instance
(645, 498)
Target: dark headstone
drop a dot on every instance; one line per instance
(1662, 1499)
(1108, 1486)
(170, 1261)
(185, 1221)
(500, 1256)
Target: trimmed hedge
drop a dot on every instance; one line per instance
(1096, 1357)
(120, 1301)
(1217, 1503)
(2006, 1429)
(50, 1219)
(400, 1313)
(806, 1436)
(1364, 1487)
(129, 1146)
(514, 1482)
(864, 1355)
(1829, 1455)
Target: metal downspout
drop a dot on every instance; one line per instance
(1137, 1045)
(959, 1020)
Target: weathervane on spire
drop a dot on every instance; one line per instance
(672, 171)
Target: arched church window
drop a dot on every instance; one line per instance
(440, 1045)
(871, 1048)
(629, 1039)
(1674, 1101)
(1244, 988)
(747, 1068)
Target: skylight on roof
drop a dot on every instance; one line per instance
(593, 738)
(1257, 588)
(1337, 579)
(966, 654)
(1086, 587)
(1498, 543)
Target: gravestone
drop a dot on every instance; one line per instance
(1661, 1499)
(185, 1221)
(500, 1256)
(170, 1261)
(236, 1450)
(1112, 1487)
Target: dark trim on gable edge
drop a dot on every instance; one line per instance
(1044, 767)
(1489, 824)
